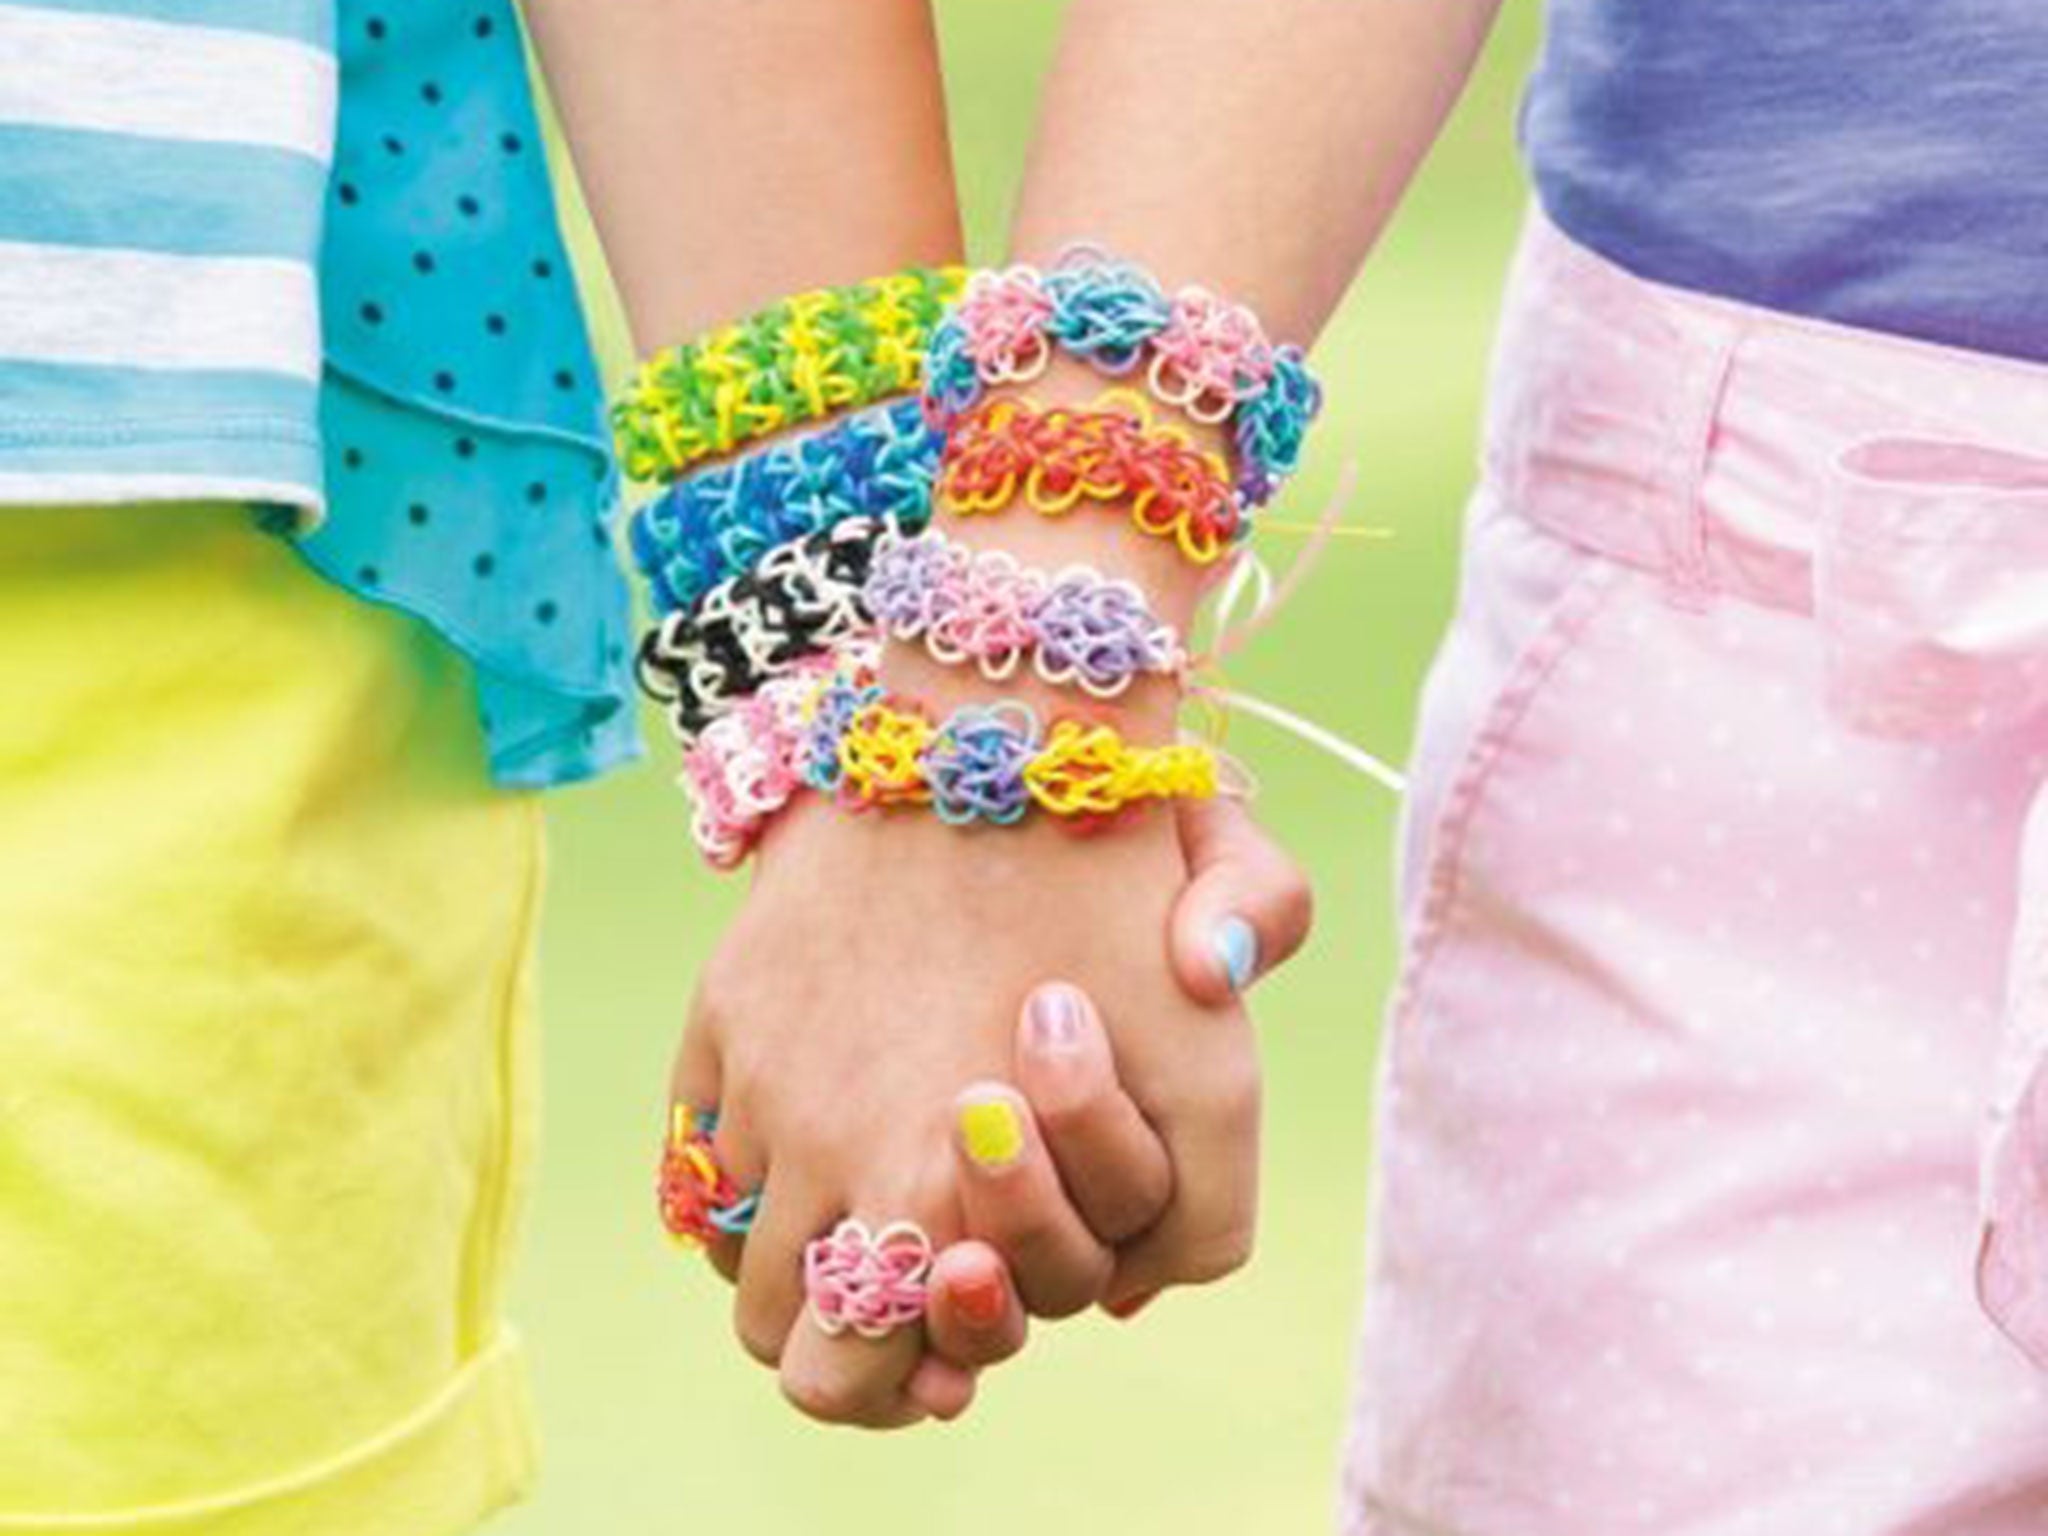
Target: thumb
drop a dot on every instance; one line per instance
(1246, 907)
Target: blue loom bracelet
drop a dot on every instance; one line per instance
(717, 522)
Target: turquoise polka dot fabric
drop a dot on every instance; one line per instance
(468, 467)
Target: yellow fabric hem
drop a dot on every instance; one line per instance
(464, 1454)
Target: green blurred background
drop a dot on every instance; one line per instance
(1220, 1410)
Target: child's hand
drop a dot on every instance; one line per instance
(875, 972)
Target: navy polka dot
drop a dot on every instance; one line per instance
(368, 575)
(543, 268)
(423, 262)
(536, 493)
(511, 143)
(483, 565)
(418, 514)
(545, 612)
(430, 93)
(444, 381)
(495, 324)
(465, 447)
(352, 458)
(348, 194)
(376, 29)
(373, 314)
(393, 144)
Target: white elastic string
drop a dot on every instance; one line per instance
(1251, 582)
(1348, 753)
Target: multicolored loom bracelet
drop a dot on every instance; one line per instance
(834, 729)
(1080, 628)
(1110, 453)
(745, 766)
(985, 763)
(720, 522)
(1202, 354)
(804, 359)
(803, 597)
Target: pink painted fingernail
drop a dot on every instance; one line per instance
(1054, 1017)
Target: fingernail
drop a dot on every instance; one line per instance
(1055, 1019)
(1124, 1311)
(991, 1132)
(1237, 946)
(980, 1301)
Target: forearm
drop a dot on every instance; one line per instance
(736, 151)
(1256, 149)
(1253, 149)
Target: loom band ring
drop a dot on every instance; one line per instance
(697, 1197)
(869, 1282)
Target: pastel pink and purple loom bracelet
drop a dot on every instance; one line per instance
(1079, 627)
(1201, 354)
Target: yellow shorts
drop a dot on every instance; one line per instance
(266, 1055)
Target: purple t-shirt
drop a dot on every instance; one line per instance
(1882, 163)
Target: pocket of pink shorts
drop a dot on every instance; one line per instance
(1525, 598)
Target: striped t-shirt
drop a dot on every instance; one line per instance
(163, 168)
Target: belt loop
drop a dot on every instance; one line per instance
(1691, 583)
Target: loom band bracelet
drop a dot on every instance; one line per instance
(983, 608)
(1201, 354)
(1111, 451)
(721, 521)
(804, 597)
(891, 754)
(809, 357)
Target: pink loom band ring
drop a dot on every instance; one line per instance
(868, 1282)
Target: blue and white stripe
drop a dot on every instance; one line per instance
(163, 168)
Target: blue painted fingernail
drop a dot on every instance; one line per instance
(1237, 946)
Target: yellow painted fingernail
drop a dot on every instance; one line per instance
(991, 1132)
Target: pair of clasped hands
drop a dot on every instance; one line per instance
(884, 1038)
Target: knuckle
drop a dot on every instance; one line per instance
(1218, 1256)
(1234, 1104)
(1125, 1214)
(759, 1337)
(825, 1396)
(1067, 1113)
(1067, 1290)
(1295, 907)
